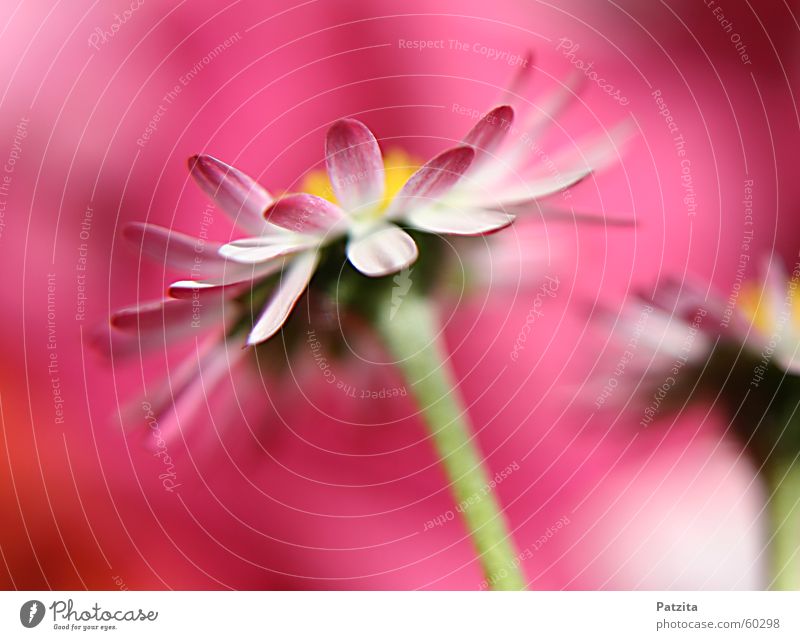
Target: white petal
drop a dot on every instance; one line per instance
(234, 276)
(460, 222)
(548, 108)
(383, 250)
(293, 283)
(595, 153)
(531, 190)
(257, 250)
(543, 210)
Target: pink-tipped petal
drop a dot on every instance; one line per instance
(384, 250)
(152, 315)
(294, 282)
(355, 165)
(257, 250)
(232, 280)
(459, 222)
(538, 117)
(241, 197)
(306, 213)
(490, 132)
(167, 316)
(683, 298)
(174, 249)
(158, 325)
(177, 404)
(109, 343)
(434, 179)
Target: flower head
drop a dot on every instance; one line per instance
(376, 217)
(743, 351)
(690, 321)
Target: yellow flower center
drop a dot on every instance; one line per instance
(398, 167)
(756, 303)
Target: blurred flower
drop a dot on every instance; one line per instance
(687, 327)
(769, 318)
(763, 315)
(743, 353)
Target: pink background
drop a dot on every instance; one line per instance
(292, 485)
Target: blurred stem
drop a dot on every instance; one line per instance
(784, 510)
(412, 333)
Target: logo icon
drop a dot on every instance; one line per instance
(402, 285)
(31, 613)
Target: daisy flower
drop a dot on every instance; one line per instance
(373, 204)
(743, 354)
(688, 324)
(301, 225)
(370, 216)
(447, 195)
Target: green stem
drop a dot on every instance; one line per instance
(411, 331)
(784, 509)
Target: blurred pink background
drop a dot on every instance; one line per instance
(293, 485)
